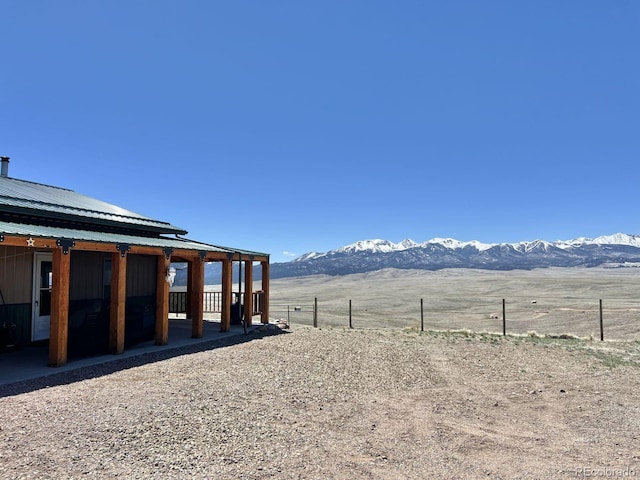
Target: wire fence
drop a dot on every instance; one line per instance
(611, 319)
(294, 312)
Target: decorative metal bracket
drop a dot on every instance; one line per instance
(66, 244)
(167, 252)
(230, 256)
(202, 254)
(123, 248)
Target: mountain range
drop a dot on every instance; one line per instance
(619, 250)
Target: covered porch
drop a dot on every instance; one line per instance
(62, 244)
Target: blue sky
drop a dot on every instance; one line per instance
(296, 126)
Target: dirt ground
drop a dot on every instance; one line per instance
(338, 403)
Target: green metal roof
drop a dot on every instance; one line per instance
(19, 229)
(29, 198)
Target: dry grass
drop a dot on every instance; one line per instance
(549, 301)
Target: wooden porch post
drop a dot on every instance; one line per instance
(162, 301)
(118, 302)
(196, 297)
(265, 291)
(59, 329)
(227, 286)
(248, 291)
(189, 288)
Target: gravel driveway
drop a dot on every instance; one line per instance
(336, 403)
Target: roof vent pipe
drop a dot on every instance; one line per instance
(5, 167)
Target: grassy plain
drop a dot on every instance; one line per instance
(552, 301)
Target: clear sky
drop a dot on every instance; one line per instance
(295, 126)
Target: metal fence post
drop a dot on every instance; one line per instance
(421, 315)
(504, 317)
(601, 323)
(315, 312)
(350, 324)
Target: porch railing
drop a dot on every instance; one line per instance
(212, 302)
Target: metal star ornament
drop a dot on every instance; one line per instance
(30, 242)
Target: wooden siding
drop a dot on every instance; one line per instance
(20, 315)
(86, 275)
(141, 275)
(16, 274)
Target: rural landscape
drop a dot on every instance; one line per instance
(428, 210)
(547, 301)
(380, 400)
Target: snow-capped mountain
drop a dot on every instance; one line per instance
(615, 239)
(613, 250)
(385, 246)
(617, 250)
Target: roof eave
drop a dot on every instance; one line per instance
(160, 228)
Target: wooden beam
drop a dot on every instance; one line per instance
(186, 254)
(95, 246)
(248, 291)
(118, 303)
(189, 288)
(39, 243)
(196, 297)
(227, 286)
(162, 301)
(59, 329)
(265, 291)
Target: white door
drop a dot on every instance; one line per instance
(42, 281)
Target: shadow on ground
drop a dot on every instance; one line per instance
(118, 364)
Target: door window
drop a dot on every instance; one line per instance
(46, 281)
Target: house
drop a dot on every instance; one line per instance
(90, 277)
